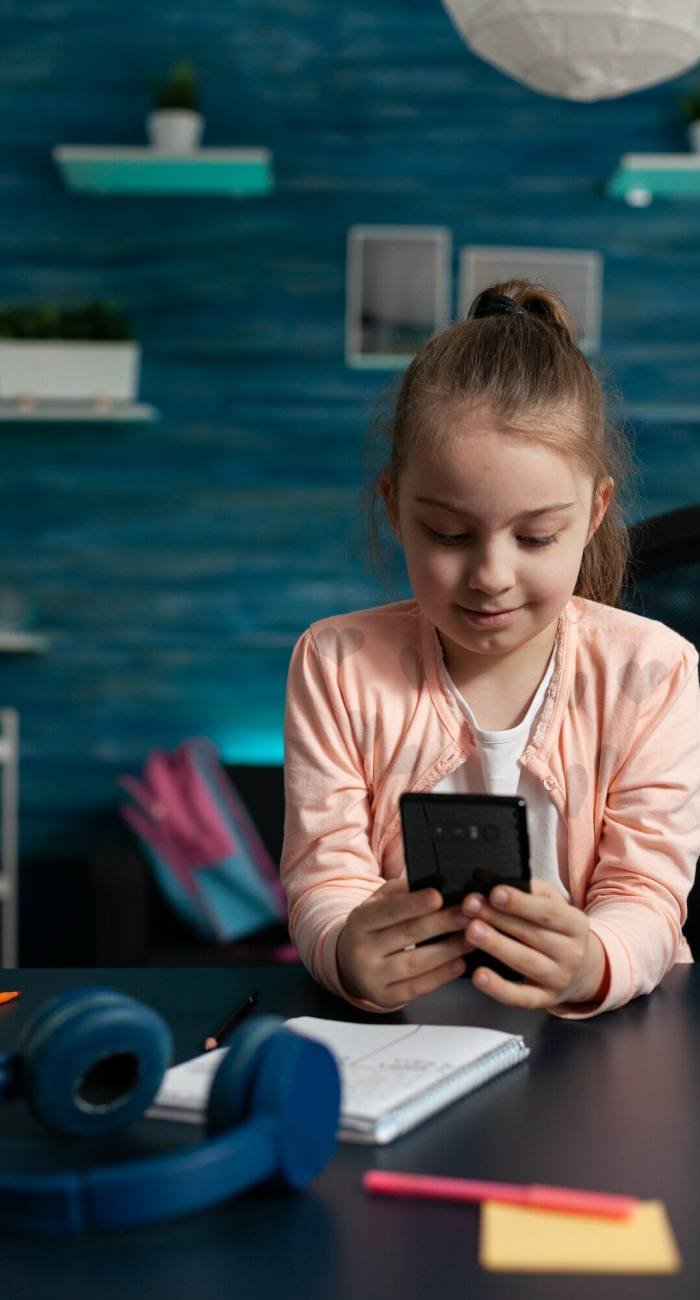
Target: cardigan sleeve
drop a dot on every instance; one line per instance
(328, 867)
(636, 900)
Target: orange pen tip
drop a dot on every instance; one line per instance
(9, 997)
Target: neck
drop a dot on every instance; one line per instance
(510, 670)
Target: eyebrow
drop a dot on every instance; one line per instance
(525, 514)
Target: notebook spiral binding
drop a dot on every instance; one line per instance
(459, 1084)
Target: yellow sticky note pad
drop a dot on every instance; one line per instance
(518, 1239)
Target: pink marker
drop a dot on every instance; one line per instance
(535, 1195)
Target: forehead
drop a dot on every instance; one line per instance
(485, 470)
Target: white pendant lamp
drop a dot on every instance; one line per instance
(582, 49)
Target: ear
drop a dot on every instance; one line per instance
(389, 495)
(602, 497)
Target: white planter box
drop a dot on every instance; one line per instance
(66, 371)
(174, 130)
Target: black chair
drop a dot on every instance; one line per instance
(108, 911)
(662, 583)
(662, 579)
(151, 933)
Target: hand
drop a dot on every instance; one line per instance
(543, 938)
(375, 954)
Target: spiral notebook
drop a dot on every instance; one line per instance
(393, 1076)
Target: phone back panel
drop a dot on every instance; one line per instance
(460, 842)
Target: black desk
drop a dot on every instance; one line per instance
(611, 1103)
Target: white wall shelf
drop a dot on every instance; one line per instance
(236, 173)
(642, 177)
(92, 412)
(21, 643)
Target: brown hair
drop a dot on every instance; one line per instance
(516, 355)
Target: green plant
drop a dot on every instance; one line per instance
(690, 105)
(180, 89)
(86, 321)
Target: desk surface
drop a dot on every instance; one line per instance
(611, 1103)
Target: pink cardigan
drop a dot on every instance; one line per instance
(369, 714)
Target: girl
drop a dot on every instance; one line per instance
(510, 671)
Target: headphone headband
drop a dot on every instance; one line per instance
(92, 1061)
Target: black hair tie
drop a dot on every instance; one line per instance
(497, 304)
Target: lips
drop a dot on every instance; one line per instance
(488, 617)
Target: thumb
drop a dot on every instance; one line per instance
(397, 885)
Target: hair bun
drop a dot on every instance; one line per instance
(524, 298)
(490, 303)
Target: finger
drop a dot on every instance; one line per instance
(394, 903)
(535, 965)
(407, 933)
(531, 996)
(417, 985)
(410, 962)
(551, 943)
(544, 906)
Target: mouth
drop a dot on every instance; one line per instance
(489, 618)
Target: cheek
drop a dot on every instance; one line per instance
(439, 568)
(560, 573)
(431, 576)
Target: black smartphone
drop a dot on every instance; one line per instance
(466, 843)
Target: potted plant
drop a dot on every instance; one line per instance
(691, 110)
(84, 353)
(175, 125)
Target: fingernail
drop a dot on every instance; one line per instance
(473, 904)
(477, 930)
(500, 897)
(482, 977)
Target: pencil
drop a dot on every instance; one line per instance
(214, 1040)
(10, 997)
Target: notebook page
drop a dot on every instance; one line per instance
(184, 1091)
(385, 1066)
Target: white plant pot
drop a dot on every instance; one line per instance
(174, 130)
(694, 135)
(61, 370)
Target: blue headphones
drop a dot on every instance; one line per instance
(91, 1062)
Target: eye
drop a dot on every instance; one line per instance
(454, 539)
(448, 539)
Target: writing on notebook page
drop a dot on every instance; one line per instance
(395, 1076)
(374, 1077)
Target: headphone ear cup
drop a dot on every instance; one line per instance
(293, 1081)
(230, 1095)
(92, 1060)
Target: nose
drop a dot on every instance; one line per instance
(490, 569)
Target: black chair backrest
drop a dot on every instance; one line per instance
(663, 583)
(664, 572)
(262, 790)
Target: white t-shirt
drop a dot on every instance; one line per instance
(494, 768)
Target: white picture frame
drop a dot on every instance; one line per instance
(576, 274)
(398, 292)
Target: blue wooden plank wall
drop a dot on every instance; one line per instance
(173, 565)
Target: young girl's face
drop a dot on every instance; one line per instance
(493, 529)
